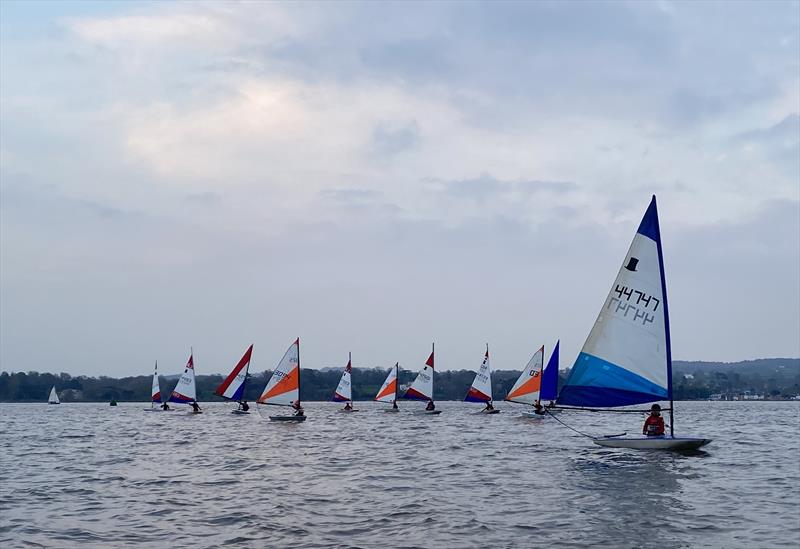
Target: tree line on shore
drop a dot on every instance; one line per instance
(772, 378)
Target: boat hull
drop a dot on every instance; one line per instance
(392, 410)
(428, 412)
(533, 415)
(489, 412)
(241, 412)
(652, 443)
(287, 418)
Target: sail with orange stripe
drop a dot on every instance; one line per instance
(388, 391)
(283, 388)
(526, 389)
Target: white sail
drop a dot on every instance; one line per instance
(53, 399)
(388, 391)
(422, 388)
(344, 391)
(481, 388)
(625, 359)
(186, 389)
(283, 388)
(155, 392)
(526, 389)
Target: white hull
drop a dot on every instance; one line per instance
(287, 418)
(652, 443)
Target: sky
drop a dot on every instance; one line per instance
(374, 177)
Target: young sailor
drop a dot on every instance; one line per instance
(489, 406)
(348, 406)
(654, 424)
(195, 406)
(538, 408)
(298, 409)
(165, 406)
(243, 405)
(431, 406)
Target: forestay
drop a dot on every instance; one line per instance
(526, 389)
(283, 388)
(481, 388)
(185, 390)
(233, 386)
(626, 358)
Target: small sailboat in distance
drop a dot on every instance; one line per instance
(481, 388)
(344, 391)
(155, 393)
(389, 391)
(232, 387)
(185, 391)
(627, 358)
(53, 398)
(283, 388)
(422, 388)
(528, 384)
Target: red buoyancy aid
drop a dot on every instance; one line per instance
(654, 426)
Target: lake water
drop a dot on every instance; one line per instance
(94, 476)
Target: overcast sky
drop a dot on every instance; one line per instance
(373, 177)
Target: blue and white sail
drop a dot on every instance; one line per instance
(626, 358)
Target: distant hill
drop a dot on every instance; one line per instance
(769, 377)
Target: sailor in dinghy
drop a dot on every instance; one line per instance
(481, 388)
(390, 389)
(344, 391)
(232, 387)
(185, 391)
(627, 358)
(283, 388)
(422, 388)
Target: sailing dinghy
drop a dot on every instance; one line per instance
(53, 398)
(528, 385)
(344, 391)
(389, 390)
(422, 388)
(283, 388)
(155, 393)
(232, 388)
(481, 388)
(627, 358)
(185, 391)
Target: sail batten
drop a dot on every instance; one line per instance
(626, 358)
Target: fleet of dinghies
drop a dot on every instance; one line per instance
(626, 360)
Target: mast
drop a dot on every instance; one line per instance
(298, 372)
(667, 337)
(433, 368)
(489, 372)
(396, 382)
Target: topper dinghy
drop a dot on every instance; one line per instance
(422, 388)
(528, 386)
(481, 388)
(185, 391)
(389, 390)
(232, 388)
(283, 388)
(627, 358)
(344, 391)
(155, 393)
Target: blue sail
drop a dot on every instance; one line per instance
(627, 357)
(549, 390)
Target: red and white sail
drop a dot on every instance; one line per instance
(481, 388)
(233, 386)
(344, 391)
(422, 388)
(388, 391)
(155, 392)
(283, 388)
(186, 389)
(526, 389)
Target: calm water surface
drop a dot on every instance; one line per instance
(94, 476)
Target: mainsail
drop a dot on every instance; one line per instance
(627, 358)
(388, 391)
(233, 386)
(549, 388)
(283, 388)
(481, 388)
(344, 392)
(155, 392)
(185, 390)
(53, 399)
(526, 389)
(422, 388)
